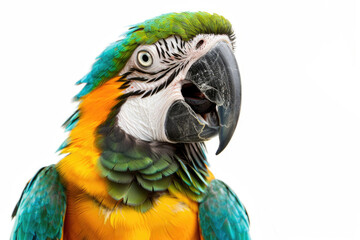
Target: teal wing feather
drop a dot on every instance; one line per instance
(39, 214)
(222, 215)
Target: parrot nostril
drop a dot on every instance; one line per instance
(199, 44)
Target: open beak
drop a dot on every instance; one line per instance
(211, 102)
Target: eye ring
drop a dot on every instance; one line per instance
(144, 58)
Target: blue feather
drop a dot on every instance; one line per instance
(222, 215)
(41, 208)
(64, 144)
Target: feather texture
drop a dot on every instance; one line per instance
(137, 171)
(120, 187)
(41, 209)
(185, 25)
(222, 215)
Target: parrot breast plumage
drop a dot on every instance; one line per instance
(134, 163)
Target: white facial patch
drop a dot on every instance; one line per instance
(144, 118)
(159, 84)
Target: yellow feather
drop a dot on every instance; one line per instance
(91, 213)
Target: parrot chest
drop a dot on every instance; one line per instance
(171, 217)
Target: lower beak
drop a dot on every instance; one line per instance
(217, 79)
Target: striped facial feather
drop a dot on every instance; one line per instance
(149, 91)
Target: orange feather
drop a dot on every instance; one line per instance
(91, 213)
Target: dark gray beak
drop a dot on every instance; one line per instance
(211, 102)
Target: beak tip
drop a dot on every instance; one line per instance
(218, 151)
(222, 146)
(226, 132)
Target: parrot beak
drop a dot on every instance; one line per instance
(211, 102)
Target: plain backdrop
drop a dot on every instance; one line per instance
(294, 158)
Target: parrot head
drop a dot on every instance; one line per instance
(181, 92)
(167, 86)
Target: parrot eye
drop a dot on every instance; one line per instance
(144, 58)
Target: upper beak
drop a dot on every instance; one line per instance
(216, 76)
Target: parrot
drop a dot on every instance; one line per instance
(134, 163)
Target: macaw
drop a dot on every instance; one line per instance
(134, 164)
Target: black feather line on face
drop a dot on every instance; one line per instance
(176, 55)
(182, 44)
(142, 79)
(157, 50)
(166, 45)
(145, 72)
(163, 53)
(180, 50)
(125, 85)
(176, 40)
(129, 94)
(122, 77)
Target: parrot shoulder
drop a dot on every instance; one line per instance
(222, 215)
(39, 214)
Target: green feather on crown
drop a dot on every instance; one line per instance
(186, 25)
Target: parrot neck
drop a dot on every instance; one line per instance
(138, 171)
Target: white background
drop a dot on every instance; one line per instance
(294, 158)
